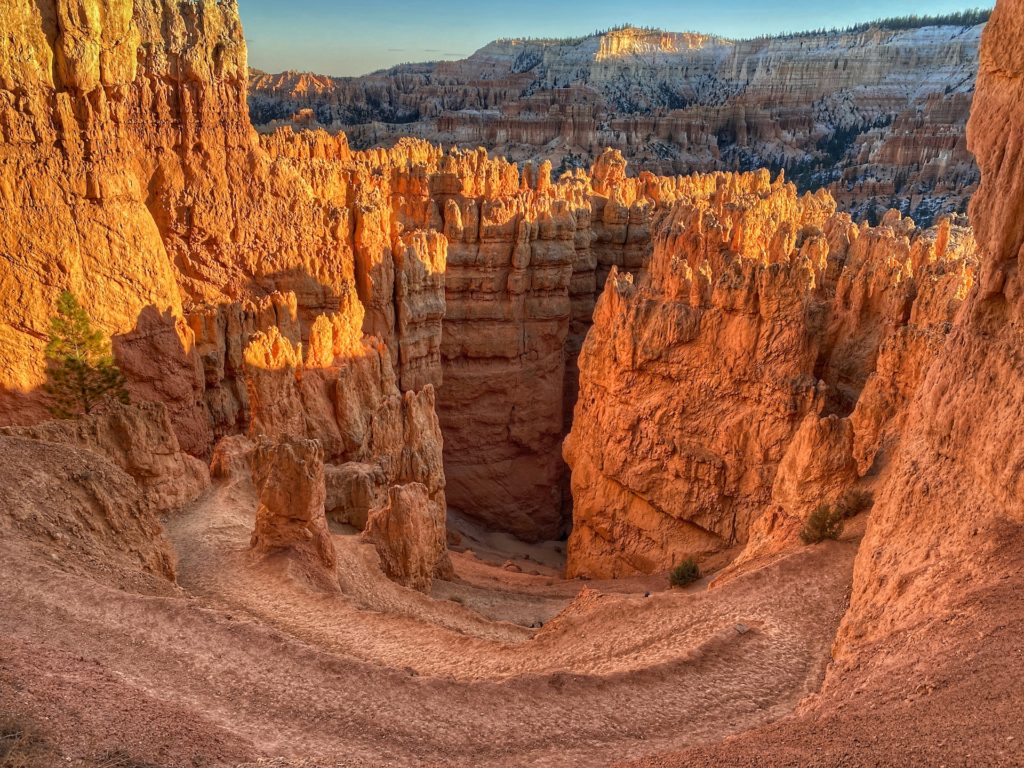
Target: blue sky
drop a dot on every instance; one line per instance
(339, 37)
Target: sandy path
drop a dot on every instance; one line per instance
(257, 662)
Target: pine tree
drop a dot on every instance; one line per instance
(82, 372)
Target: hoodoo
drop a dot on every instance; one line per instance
(644, 434)
(725, 384)
(876, 113)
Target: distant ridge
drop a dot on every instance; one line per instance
(967, 18)
(875, 112)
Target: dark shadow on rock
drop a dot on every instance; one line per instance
(159, 360)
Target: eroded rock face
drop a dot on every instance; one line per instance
(818, 469)
(139, 439)
(511, 255)
(130, 173)
(344, 394)
(289, 477)
(142, 187)
(955, 499)
(409, 534)
(232, 458)
(704, 384)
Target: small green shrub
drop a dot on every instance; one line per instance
(685, 573)
(81, 371)
(824, 523)
(853, 502)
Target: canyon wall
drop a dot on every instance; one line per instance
(919, 377)
(132, 177)
(935, 612)
(760, 365)
(948, 524)
(875, 114)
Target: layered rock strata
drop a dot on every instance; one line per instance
(131, 175)
(945, 524)
(935, 610)
(723, 388)
(344, 395)
(876, 114)
(473, 274)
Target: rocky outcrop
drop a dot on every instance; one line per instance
(81, 512)
(344, 394)
(409, 534)
(138, 182)
(943, 525)
(876, 114)
(137, 438)
(511, 255)
(289, 477)
(232, 458)
(717, 389)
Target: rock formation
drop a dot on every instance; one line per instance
(131, 174)
(409, 534)
(754, 353)
(877, 114)
(137, 438)
(232, 458)
(718, 388)
(945, 522)
(344, 395)
(477, 278)
(935, 611)
(135, 180)
(289, 477)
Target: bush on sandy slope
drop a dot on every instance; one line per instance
(685, 573)
(854, 502)
(825, 522)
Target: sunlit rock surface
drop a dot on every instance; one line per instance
(876, 115)
(704, 383)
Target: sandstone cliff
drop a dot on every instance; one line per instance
(946, 522)
(925, 656)
(131, 175)
(723, 388)
(136, 180)
(186, 234)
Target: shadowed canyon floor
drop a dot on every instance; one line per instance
(259, 661)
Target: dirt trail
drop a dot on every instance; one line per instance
(252, 661)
